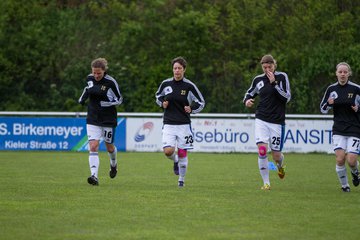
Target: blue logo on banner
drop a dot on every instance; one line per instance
(143, 131)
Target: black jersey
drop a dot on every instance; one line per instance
(179, 94)
(104, 96)
(273, 97)
(346, 120)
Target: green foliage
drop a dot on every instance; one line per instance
(48, 47)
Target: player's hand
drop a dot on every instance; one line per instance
(165, 104)
(271, 76)
(187, 109)
(330, 101)
(355, 108)
(249, 103)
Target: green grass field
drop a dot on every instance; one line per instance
(45, 195)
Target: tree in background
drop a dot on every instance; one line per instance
(47, 47)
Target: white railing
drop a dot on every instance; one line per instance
(143, 114)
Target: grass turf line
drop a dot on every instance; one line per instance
(44, 195)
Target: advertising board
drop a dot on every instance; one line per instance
(44, 133)
(231, 135)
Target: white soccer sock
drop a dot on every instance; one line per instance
(94, 163)
(355, 169)
(264, 169)
(341, 172)
(280, 163)
(173, 157)
(183, 162)
(112, 156)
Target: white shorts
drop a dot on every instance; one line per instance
(97, 133)
(269, 133)
(179, 136)
(349, 144)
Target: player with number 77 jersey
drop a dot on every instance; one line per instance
(343, 98)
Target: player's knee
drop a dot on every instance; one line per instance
(169, 151)
(262, 151)
(110, 147)
(352, 158)
(182, 153)
(93, 145)
(277, 156)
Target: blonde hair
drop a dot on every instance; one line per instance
(344, 64)
(268, 59)
(100, 63)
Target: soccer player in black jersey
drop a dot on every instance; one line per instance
(273, 88)
(178, 97)
(104, 95)
(344, 98)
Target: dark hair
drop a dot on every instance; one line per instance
(179, 60)
(100, 63)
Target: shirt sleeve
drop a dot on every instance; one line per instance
(114, 96)
(283, 89)
(324, 106)
(252, 92)
(160, 95)
(196, 100)
(84, 96)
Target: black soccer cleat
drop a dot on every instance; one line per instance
(345, 189)
(113, 171)
(355, 179)
(93, 180)
(176, 168)
(181, 184)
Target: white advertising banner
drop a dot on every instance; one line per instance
(230, 135)
(143, 134)
(308, 136)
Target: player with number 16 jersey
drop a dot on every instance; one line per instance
(103, 95)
